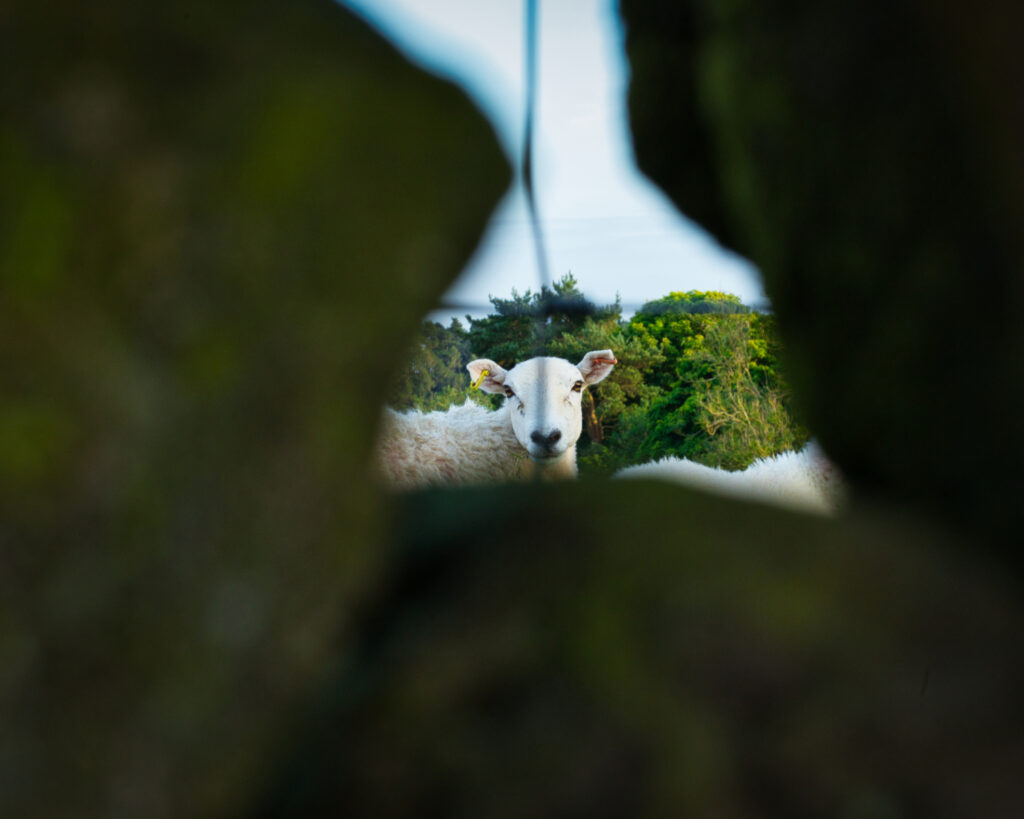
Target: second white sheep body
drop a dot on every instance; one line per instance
(804, 481)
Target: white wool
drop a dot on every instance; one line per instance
(805, 481)
(464, 445)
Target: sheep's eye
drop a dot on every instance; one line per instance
(577, 387)
(509, 393)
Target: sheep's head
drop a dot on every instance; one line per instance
(544, 396)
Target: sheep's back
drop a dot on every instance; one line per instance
(465, 444)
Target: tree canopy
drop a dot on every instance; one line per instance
(699, 375)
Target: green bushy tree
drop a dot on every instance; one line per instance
(699, 373)
(526, 324)
(728, 404)
(695, 302)
(435, 375)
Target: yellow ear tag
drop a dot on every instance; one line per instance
(480, 380)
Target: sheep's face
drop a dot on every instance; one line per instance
(543, 397)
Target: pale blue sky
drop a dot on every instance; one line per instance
(602, 220)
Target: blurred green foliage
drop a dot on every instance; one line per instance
(699, 373)
(197, 204)
(866, 157)
(559, 654)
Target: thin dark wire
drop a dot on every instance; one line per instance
(526, 167)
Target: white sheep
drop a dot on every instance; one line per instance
(805, 481)
(534, 433)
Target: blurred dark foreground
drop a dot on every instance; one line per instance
(219, 226)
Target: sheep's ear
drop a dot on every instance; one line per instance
(487, 375)
(596, 365)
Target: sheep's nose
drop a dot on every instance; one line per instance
(546, 441)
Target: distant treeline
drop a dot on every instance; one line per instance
(699, 374)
